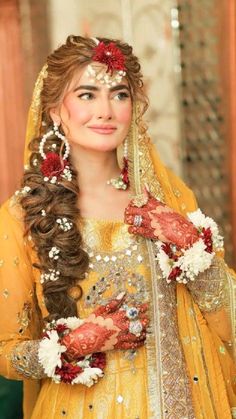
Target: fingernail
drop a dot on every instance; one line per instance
(121, 295)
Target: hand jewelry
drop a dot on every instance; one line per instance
(135, 327)
(138, 220)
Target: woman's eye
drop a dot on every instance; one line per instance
(86, 96)
(121, 96)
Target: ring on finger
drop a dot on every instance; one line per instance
(135, 327)
(138, 220)
(132, 313)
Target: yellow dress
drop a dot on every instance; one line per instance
(117, 261)
(115, 264)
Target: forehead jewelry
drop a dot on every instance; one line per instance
(112, 57)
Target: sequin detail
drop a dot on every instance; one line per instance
(24, 358)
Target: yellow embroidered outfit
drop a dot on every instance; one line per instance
(184, 370)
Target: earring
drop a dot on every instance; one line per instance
(122, 182)
(48, 134)
(53, 165)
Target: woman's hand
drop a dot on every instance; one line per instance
(105, 329)
(155, 220)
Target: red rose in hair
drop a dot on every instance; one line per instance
(53, 165)
(109, 55)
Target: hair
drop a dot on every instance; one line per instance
(61, 199)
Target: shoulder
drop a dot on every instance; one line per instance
(11, 214)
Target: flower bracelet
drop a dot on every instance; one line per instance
(183, 265)
(52, 356)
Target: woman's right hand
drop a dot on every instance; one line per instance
(105, 329)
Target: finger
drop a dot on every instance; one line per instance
(112, 306)
(142, 231)
(132, 210)
(130, 337)
(130, 345)
(142, 307)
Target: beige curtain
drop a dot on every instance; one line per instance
(12, 108)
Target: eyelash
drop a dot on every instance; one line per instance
(89, 96)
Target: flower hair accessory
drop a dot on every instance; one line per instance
(183, 265)
(110, 55)
(52, 356)
(54, 166)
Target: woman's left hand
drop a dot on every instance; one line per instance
(155, 220)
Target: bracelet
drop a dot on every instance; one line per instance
(183, 265)
(53, 357)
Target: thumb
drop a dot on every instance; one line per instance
(112, 306)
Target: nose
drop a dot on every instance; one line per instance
(104, 111)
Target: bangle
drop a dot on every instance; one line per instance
(183, 265)
(53, 356)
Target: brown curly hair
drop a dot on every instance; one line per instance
(61, 199)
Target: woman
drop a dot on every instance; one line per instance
(135, 314)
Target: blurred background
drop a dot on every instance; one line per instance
(188, 57)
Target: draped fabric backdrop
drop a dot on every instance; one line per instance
(12, 109)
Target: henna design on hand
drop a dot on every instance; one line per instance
(161, 222)
(105, 329)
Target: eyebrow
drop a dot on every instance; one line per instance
(95, 88)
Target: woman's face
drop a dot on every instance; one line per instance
(93, 115)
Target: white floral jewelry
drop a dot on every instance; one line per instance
(99, 74)
(23, 191)
(183, 265)
(51, 275)
(54, 253)
(64, 224)
(52, 356)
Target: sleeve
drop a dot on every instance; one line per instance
(19, 312)
(214, 289)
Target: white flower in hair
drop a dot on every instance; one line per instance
(54, 253)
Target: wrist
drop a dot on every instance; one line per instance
(184, 264)
(56, 360)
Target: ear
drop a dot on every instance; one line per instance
(54, 114)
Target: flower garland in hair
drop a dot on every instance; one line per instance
(183, 265)
(52, 356)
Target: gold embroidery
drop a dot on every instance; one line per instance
(208, 289)
(24, 359)
(16, 261)
(23, 318)
(177, 193)
(6, 293)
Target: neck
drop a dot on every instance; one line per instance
(94, 168)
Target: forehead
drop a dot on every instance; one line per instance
(82, 76)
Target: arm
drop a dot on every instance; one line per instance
(19, 320)
(209, 287)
